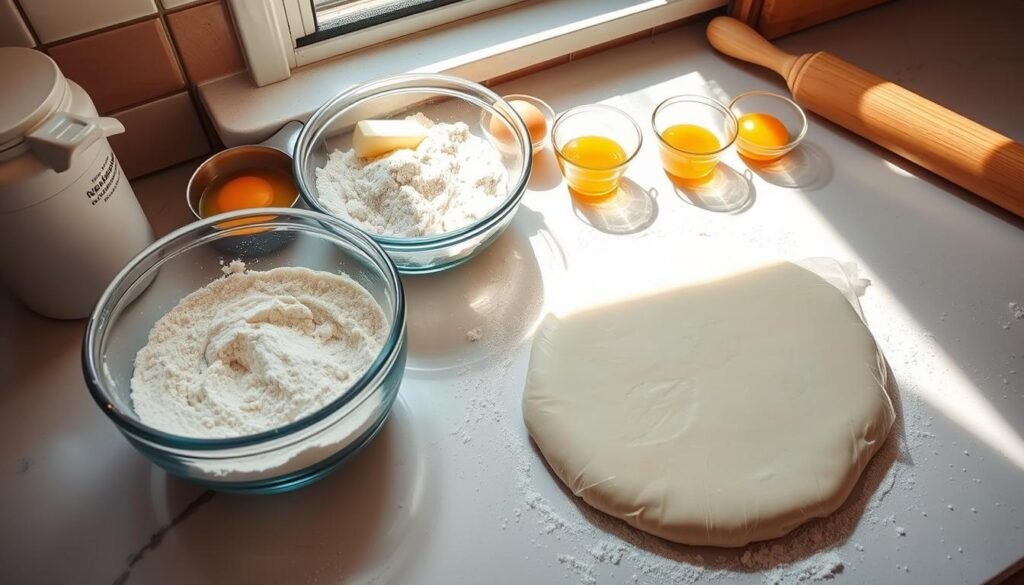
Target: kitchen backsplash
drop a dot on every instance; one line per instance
(140, 61)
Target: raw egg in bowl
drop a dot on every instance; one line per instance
(244, 178)
(537, 115)
(769, 125)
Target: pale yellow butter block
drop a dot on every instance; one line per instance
(376, 137)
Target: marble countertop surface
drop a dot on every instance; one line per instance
(452, 491)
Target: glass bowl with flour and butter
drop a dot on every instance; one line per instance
(405, 160)
(251, 372)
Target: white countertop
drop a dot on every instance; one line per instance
(452, 491)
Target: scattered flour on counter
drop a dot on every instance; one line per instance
(824, 568)
(449, 181)
(585, 571)
(608, 552)
(254, 351)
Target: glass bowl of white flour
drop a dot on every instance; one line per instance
(432, 206)
(251, 372)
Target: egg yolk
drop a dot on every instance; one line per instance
(694, 152)
(758, 132)
(691, 138)
(592, 165)
(594, 152)
(245, 192)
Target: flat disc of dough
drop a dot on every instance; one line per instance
(714, 414)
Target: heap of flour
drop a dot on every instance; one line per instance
(254, 351)
(449, 181)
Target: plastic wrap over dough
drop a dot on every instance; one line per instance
(717, 413)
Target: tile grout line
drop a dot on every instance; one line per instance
(28, 23)
(212, 139)
(160, 11)
(105, 29)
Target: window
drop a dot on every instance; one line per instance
(278, 36)
(319, 29)
(332, 18)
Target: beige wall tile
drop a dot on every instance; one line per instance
(122, 67)
(13, 31)
(206, 41)
(159, 134)
(58, 19)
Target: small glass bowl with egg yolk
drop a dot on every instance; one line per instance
(770, 125)
(593, 146)
(537, 115)
(693, 131)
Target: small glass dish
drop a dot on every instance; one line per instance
(486, 119)
(709, 116)
(189, 258)
(442, 98)
(779, 107)
(595, 122)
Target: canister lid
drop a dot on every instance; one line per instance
(32, 90)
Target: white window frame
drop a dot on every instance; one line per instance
(270, 29)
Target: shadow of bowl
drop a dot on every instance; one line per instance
(545, 174)
(723, 191)
(463, 315)
(627, 210)
(364, 520)
(805, 167)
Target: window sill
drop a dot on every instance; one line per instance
(487, 47)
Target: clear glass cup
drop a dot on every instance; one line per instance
(693, 158)
(754, 141)
(581, 139)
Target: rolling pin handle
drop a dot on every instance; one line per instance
(738, 40)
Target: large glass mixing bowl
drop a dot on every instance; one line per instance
(160, 276)
(441, 98)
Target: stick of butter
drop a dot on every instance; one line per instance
(376, 137)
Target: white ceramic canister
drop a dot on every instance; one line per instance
(69, 220)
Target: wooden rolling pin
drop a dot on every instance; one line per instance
(944, 142)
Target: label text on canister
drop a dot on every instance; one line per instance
(105, 181)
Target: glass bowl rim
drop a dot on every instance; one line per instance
(803, 120)
(304, 142)
(707, 101)
(617, 111)
(385, 358)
